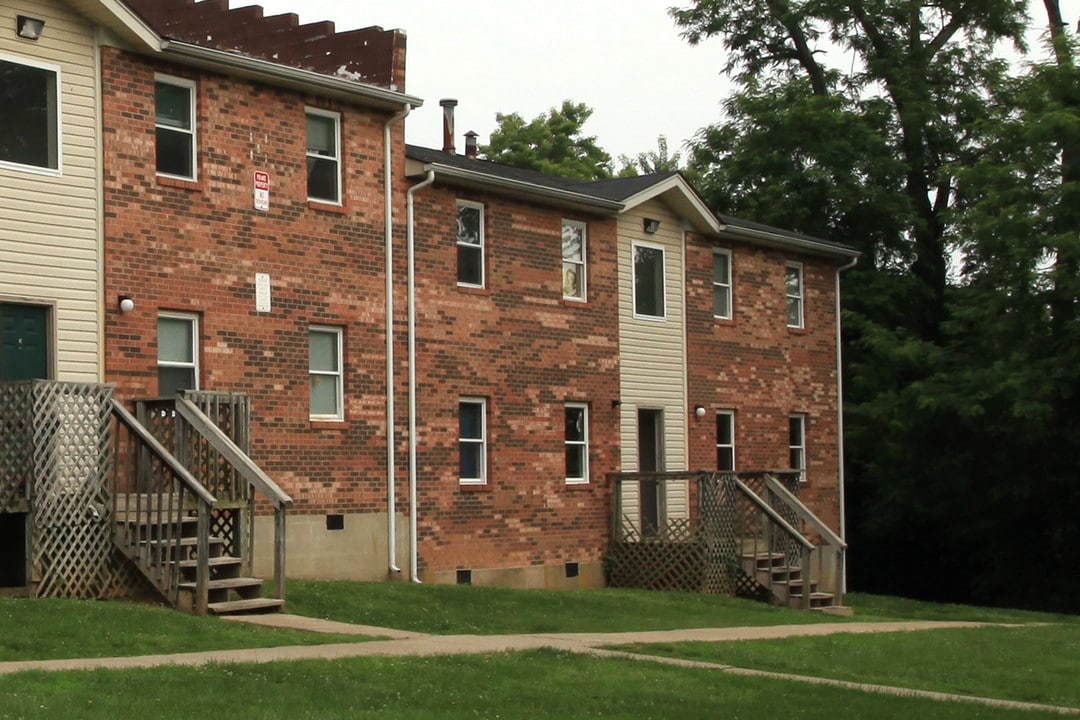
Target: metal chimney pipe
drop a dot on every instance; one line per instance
(448, 105)
(470, 145)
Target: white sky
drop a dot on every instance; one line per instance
(623, 58)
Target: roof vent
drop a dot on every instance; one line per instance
(470, 145)
(448, 105)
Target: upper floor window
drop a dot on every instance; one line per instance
(174, 122)
(573, 259)
(725, 440)
(470, 243)
(721, 280)
(577, 443)
(797, 444)
(649, 291)
(793, 275)
(323, 156)
(472, 441)
(325, 373)
(178, 353)
(29, 115)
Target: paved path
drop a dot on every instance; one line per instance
(402, 643)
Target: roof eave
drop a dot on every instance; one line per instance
(120, 19)
(786, 242)
(290, 77)
(683, 198)
(525, 190)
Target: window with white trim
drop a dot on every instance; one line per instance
(797, 444)
(325, 374)
(649, 290)
(721, 280)
(178, 353)
(29, 115)
(577, 443)
(323, 155)
(174, 127)
(472, 441)
(470, 244)
(793, 281)
(573, 259)
(725, 440)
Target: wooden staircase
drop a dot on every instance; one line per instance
(171, 563)
(785, 581)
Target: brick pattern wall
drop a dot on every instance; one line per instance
(518, 344)
(764, 371)
(196, 246)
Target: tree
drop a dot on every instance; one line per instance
(551, 142)
(959, 184)
(650, 161)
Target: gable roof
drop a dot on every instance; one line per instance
(613, 196)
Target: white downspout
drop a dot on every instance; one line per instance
(411, 356)
(840, 418)
(391, 458)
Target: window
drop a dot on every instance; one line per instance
(573, 260)
(470, 244)
(725, 440)
(325, 375)
(797, 445)
(323, 156)
(649, 281)
(29, 115)
(174, 121)
(794, 281)
(472, 441)
(577, 443)
(178, 353)
(721, 282)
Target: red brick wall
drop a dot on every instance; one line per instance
(764, 371)
(518, 344)
(196, 247)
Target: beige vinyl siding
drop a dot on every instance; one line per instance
(653, 352)
(50, 225)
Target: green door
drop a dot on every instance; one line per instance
(24, 342)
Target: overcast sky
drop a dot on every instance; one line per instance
(623, 58)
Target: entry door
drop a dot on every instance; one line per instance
(650, 459)
(24, 342)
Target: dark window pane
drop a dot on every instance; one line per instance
(575, 461)
(469, 265)
(721, 306)
(795, 459)
(28, 130)
(575, 424)
(649, 281)
(725, 458)
(720, 268)
(322, 179)
(470, 460)
(468, 224)
(723, 429)
(172, 104)
(471, 419)
(174, 153)
(321, 134)
(795, 431)
(172, 379)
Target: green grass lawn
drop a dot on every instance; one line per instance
(1028, 664)
(538, 684)
(42, 629)
(882, 607)
(459, 609)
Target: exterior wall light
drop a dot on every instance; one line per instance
(29, 28)
(126, 304)
(650, 225)
(699, 410)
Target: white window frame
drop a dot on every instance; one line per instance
(193, 322)
(338, 375)
(336, 158)
(482, 247)
(57, 118)
(663, 276)
(798, 445)
(725, 286)
(581, 263)
(578, 445)
(190, 86)
(798, 298)
(481, 441)
(730, 415)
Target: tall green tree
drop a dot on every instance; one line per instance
(650, 161)
(894, 127)
(552, 142)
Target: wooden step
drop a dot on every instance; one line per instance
(257, 605)
(214, 562)
(817, 599)
(237, 583)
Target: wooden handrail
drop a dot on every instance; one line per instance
(239, 459)
(804, 512)
(772, 514)
(134, 426)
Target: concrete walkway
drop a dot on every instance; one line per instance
(401, 643)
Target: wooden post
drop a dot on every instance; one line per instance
(202, 567)
(806, 579)
(279, 552)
